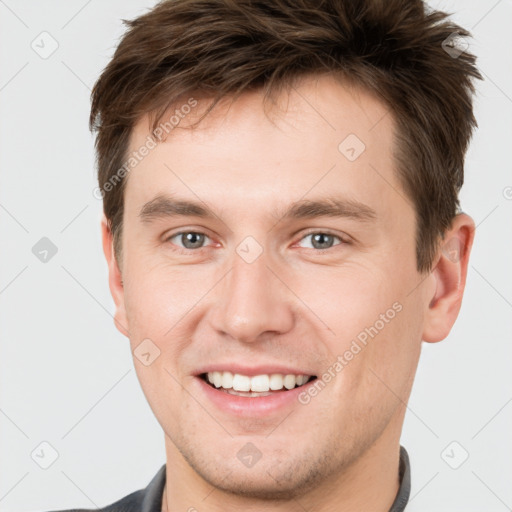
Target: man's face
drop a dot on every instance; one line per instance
(259, 292)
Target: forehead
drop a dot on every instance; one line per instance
(321, 137)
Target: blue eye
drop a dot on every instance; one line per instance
(190, 239)
(321, 240)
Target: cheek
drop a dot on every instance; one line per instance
(161, 318)
(350, 300)
(377, 330)
(155, 297)
(392, 355)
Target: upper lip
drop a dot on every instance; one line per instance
(251, 371)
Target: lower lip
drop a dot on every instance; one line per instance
(251, 405)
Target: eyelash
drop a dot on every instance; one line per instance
(182, 250)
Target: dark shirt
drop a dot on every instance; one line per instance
(150, 498)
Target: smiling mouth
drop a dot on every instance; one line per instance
(258, 386)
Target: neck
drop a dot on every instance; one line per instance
(164, 499)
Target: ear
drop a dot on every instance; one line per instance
(450, 279)
(115, 280)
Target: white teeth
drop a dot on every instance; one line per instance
(241, 382)
(301, 379)
(289, 381)
(258, 383)
(276, 381)
(227, 379)
(217, 379)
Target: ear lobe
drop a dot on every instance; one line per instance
(115, 279)
(450, 279)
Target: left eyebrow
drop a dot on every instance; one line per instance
(163, 207)
(330, 207)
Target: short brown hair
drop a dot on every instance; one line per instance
(399, 50)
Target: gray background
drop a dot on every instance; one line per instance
(66, 374)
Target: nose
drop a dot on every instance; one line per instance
(252, 301)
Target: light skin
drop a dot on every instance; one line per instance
(300, 303)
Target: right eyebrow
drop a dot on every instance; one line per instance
(163, 206)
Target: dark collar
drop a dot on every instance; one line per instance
(152, 501)
(153, 496)
(404, 474)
